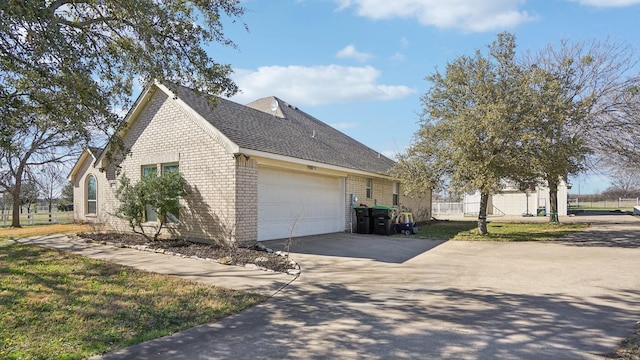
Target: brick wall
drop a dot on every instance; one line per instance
(419, 206)
(246, 200)
(164, 133)
(381, 194)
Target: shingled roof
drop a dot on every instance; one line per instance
(287, 131)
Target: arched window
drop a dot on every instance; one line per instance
(92, 195)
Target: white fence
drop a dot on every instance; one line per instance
(38, 218)
(620, 203)
(451, 208)
(462, 209)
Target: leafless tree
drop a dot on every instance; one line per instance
(589, 99)
(624, 176)
(50, 179)
(26, 149)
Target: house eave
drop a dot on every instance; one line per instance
(200, 121)
(131, 116)
(308, 163)
(74, 171)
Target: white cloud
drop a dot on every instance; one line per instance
(350, 52)
(467, 15)
(316, 85)
(608, 3)
(399, 57)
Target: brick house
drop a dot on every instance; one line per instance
(261, 171)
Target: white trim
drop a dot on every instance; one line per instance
(298, 161)
(81, 160)
(86, 199)
(200, 121)
(138, 106)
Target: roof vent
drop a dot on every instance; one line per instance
(270, 105)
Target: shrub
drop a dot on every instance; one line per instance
(161, 193)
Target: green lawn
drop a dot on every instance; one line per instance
(62, 306)
(498, 231)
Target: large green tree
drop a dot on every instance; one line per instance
(66, 64)
(471, 124)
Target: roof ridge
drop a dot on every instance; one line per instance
(295, 134)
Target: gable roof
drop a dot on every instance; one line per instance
(90, 152)
(287, 132)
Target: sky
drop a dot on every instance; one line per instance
(360, 65)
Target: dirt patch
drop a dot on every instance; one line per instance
(242, 256)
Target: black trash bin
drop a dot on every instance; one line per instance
(363, 220)
(382, 220)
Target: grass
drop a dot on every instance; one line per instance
(498, 231)
(42, 230)
(64, 306)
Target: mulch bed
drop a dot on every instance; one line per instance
(242, 256)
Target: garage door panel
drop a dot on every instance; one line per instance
(314, 204)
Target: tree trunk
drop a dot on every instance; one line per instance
(482, 215)
(553, 201)
(15, 206)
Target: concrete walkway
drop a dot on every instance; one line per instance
(373, 297)
(211, 273)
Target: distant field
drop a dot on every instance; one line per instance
(608, 205)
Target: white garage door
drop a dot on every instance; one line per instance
(308, 204)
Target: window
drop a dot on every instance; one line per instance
(149, 171)
(92, 195)
(395, 194)
(171, 217)
(369, 188)
(150, 214)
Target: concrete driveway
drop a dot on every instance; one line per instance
(374, 297)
